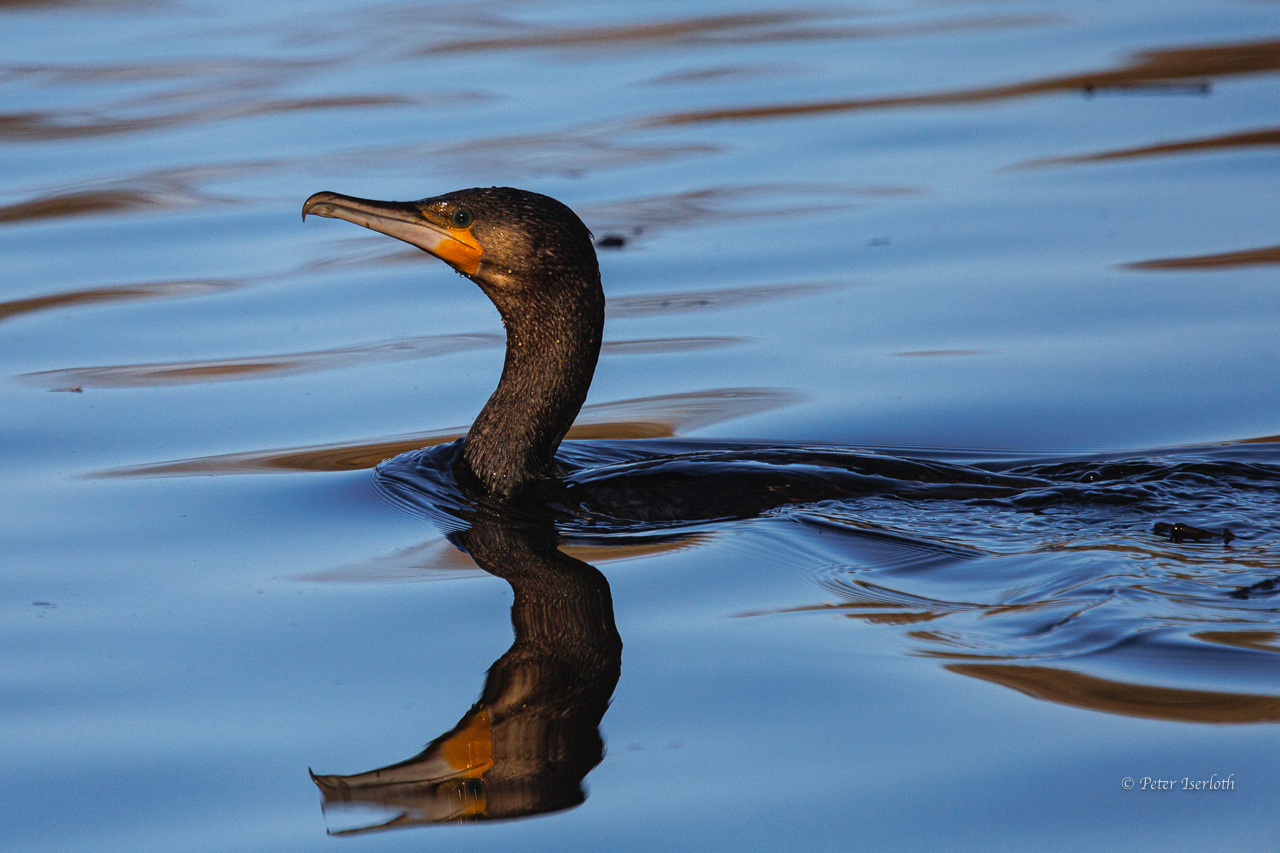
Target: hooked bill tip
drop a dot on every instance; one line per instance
(316, 199)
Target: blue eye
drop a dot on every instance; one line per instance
(461, 218)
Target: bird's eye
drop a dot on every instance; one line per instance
(461, 218)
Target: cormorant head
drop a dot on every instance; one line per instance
(509, 241)
(533, 258)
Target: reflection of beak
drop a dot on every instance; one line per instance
(404, 221)
(443, 783)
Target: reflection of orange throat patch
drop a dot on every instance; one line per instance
(469, 752)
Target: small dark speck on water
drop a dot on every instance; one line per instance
(70, 389)
(611, 241)
(43, 604)
(878, 241)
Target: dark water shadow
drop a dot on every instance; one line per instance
(1171, 70)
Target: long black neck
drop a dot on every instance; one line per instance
(553, 343)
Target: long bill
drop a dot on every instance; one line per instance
(404, 220)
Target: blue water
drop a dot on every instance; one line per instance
(1033, 238)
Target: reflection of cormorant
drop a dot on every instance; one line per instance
(533, 258)
(532, 737)
(527, 744)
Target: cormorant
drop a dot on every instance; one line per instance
(533, 257)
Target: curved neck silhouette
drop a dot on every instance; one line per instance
(552, 349)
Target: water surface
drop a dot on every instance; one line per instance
(1033, 238)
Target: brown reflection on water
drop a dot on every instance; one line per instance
(738, 29)
(30, 4)
(437, 560)
(1245, 139)
(362, 253)
(656, 346)
(224, 89)
(941, 353)
(881, 605)
(620, 307)
(116, 293)
(1176, 69)
(50, 125)
(78, 204)
(525, 747)
(1222, 260)
(720, 74)
(1261, 641)
(296, 364)
(688, 29)
(1078, 690)
(571, 153)
(251, 68)
(320, 457)
(644, 417)
(711, 205)
(231, 369)
(1260, 439)
(157, 190)
(672, 414)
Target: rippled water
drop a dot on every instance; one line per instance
(1016, 239)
